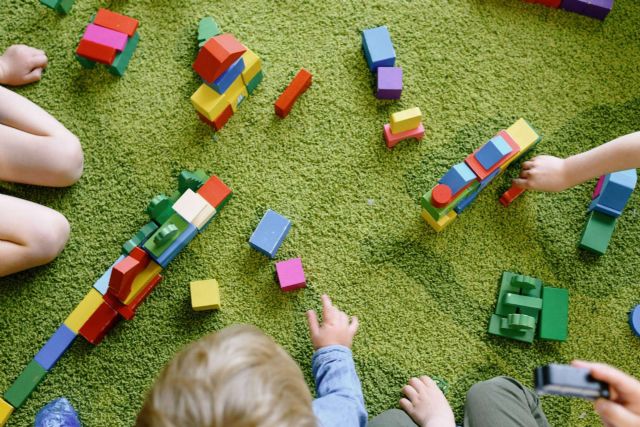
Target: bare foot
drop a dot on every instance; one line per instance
(425, 403)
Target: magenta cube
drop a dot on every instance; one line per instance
(389, 83)
(105, 37)
(290, 274)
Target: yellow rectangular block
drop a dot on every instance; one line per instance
(205, 295)
(84, 310)
(403, 121)
(208, 102)
(142, 280)
(252, 66)
(5, 411)
(441, 223)
(523, 134)
(236, 93)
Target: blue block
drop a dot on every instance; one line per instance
(493, 151)
(595, 206)
(458, 177)
(270, 233)
(378, 48)
(634, 320)
(176, 247)
(53, 350)
(464, 203)
(488, 179)
(102, 284)
(615, 193)
(222, 83)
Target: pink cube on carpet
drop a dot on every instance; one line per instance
(290, 274)
(596, 191)
(106, 37)
(393, 138)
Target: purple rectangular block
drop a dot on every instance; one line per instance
(598, 9)
(577, 6)
(389, 83)
(105, 37)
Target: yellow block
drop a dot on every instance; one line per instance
(252, 66)
(403, 121)
(84, 310)
(208, 102)
(441, 223)
(142, 279)
(5, 411)
(205, 295)
(523, 134)
(236, 93)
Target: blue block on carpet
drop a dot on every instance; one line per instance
(57, 345)
(270, 233)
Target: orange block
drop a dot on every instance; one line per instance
(298, 85)
(216, 56)
(479, 170)
(115, 21)
(100, 322)
(125, 272)
(510, 195)
(441, 195)
(215, 191)
(96, 52)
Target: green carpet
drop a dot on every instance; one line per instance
(424, 300)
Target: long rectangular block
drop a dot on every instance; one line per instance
(122, 59)
(177, 246)
(597, 232)
(378, 48)
(270, 233)
(554, 318)
(25, 384)
(440, 224)
(252, 66)
(84, 310)
(226, 79)
(165, 236)
(96, 52)
(55, 347)
(615, 192)
(524, 135)
(5, 411)
(297, 87)
(208, 102)
(100, 322)
(115, 21)
(405, 120)
(105, 37)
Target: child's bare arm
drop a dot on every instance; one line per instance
(21, 65)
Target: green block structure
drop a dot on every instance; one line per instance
(597, 232)
(160, 208)
(253, 84)
(510, 285)
(166, 235)
(25, 384)
(121, 62)
(555, 316)
(207, 28)
(86, 63)
(141, 236)
(191, 180)
(438, 213)
(64, 6)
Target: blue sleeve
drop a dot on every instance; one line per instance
(340, 401)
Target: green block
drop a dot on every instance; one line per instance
(141, 236)
(166, 235)
(523, 282)
(50, 3)
(86, 63)
(207, 28)
(495, 328)
(554, 319)
(121, 62)
(507, 286)
(597, 232)
(520, 322)
(25, 384)
(64, 6)
(522, 301)
(255, 81)
(438, 213)
(192, 180)
(160, 208)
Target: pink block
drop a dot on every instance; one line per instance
(290, 274)
(596, 191)
(393, 138)
(105, 37)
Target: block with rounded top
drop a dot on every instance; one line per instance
(441, 195)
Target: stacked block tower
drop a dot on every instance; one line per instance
(60, 6)
(460, 186)
(598, 9)
(381, 59)
(230, 72)
(609, 198)
(110, 39)
(175, 221)
(526, 308)
(403, 125)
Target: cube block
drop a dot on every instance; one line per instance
(205, 295)
(597, 232)
(291, 274)
(270, 233)
(389, 81)
(215, 192)
(25, 384)
(378, 48)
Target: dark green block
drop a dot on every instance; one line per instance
(64, 6)
(523, 301)
(495, 328)
(597, 232)
(192, 180)
(554, 319)
(519, 322)
(86, 63)
(25, 384)
(255, 81)
(160, 208)
(50, 3)
(121, 62)
(510, 284)
(166, 235)
(207, 28)
(438, 213)
(141, 236)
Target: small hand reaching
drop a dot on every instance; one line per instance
(544, 173)
(21, 65)
(336, 328)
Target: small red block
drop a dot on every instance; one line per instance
(100, 322)
(115, 21)
(216, 56)
(219, 121)
(441, 195)
(96, 52)
(215, 191)
(133, 305)
(510, 195)
(298, 85)
(125, 272)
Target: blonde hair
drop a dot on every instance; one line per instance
(237, 377)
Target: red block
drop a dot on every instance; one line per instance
(96, 52)
(298, 85)
(115, 21)
(393, 139)
(125, 272)
(99, 324)
(129, 311)
(216, 56)
(215, 191)
(441, 195)
(510, 195)
(479, 170)
(551, 3)
(219, 121)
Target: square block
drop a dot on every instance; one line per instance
(252, 66)
(190, 205)
(205, 295)
(405, 120)
(300, 83)
(597, 232)
(524, 135)
(105, 37)
(483, 172)
(100, 322)
(389, 83)
(291, 274)
(236, 93)
(177, 246)
(440, 224)
(122, 59)
(115, 21)
(253, 84)
(458, 177)
(378, 48)
(226, 79)
(392, 139)
(615, 192)
(216, 55)
(102, 284)
(493, 151)
(96, 52)
(208, 102)
(598, 9)
(270, 233)
(576, 6)
(215, 192)
(25, 384)
(554, 319)
(166, 235)
(5, 411)
(84, 310)
(55, 347)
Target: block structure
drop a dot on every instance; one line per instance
(205, 295)
(389, 83)
(270, 233)
(300, 83)
(291, 274)
(403, 125)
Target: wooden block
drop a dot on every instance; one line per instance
(441, 195)
(25, 384)
(129, 310)
(190, 205)
(437, 213)
(205, 295)
(523, 135)
(126, 271)
(252, 66)
(100, 322)
(554, 319)
(405, 120)
(115, 21)
(440, 224)
(480, 170)
(160, 208)
(236, 93)
(253, 84)
(270, 233)
(142, 280)
(177, 245)
(139, 238)
(510, 195)
(165, 236)
(5, 411)
(522, 301)
(96, 52)
(298, 85)
(393, 139)
(55, 347)
(64, 6)
(84, 310)
(291, 275)
(597, 232)
(216, 55)
(122, 59)
(378, 48)
(222, 119)
(496, 324)
(207, 28)
(215, 192)
(105, 36)
(208, 102)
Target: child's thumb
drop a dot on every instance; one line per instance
(616, 414)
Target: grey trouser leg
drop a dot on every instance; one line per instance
(392, 418)
(503, 402)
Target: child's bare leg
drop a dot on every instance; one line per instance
(30, 234)
(34, 147)
(426, 404)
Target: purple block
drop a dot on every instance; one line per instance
(389, 83)
(105, 37)
(576, 6)
(599, 9)
(290, 274)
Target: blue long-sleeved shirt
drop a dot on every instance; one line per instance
(340, 402)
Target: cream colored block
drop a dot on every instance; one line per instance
(205, 295)
(189, 205)
(208, 102)
(403, 121)
(252, 66)
(84, 310)
(441, 223)
(236, 93)
(204, 216)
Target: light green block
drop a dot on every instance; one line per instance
(496, 324)
(522, 301)
(166, 235)
(554, 318)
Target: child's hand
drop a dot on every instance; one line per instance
(623, 410)
(336, 329)
(544, 173)
(20, 65)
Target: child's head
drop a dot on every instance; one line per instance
(237, 377)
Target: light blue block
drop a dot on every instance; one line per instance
(177, 246)
(102, 284)
(270, 233)
(491, 152)
(57, 345)
(458, 177)
(226, 79)
(378, 48)
(615, 193)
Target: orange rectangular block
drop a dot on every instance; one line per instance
(115, 21)
(124, 272)
(510, 195)
(96, 52)
(215, 192)
(99, 324)
(298, 85)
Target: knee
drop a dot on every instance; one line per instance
(70, 163)
(485, 391)
(48, 238)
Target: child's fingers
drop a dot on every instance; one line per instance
(418, 385)
(406, 405)
(328, 310)
(521, 183)
(33, 76)
(314, 326)
(38, 61)
(616, 414)
(527, 165)
(410, 392)
(622, 382)
(353, 326)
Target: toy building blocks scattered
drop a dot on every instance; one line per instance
(205, 295)
(60, 6)
(598, 9)
(378, 48)
(389, 83)
(270, 233)
(291, 274)
(403, 125)
(510, 195)
(634, 320)
(297, 87)
(111, 39)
